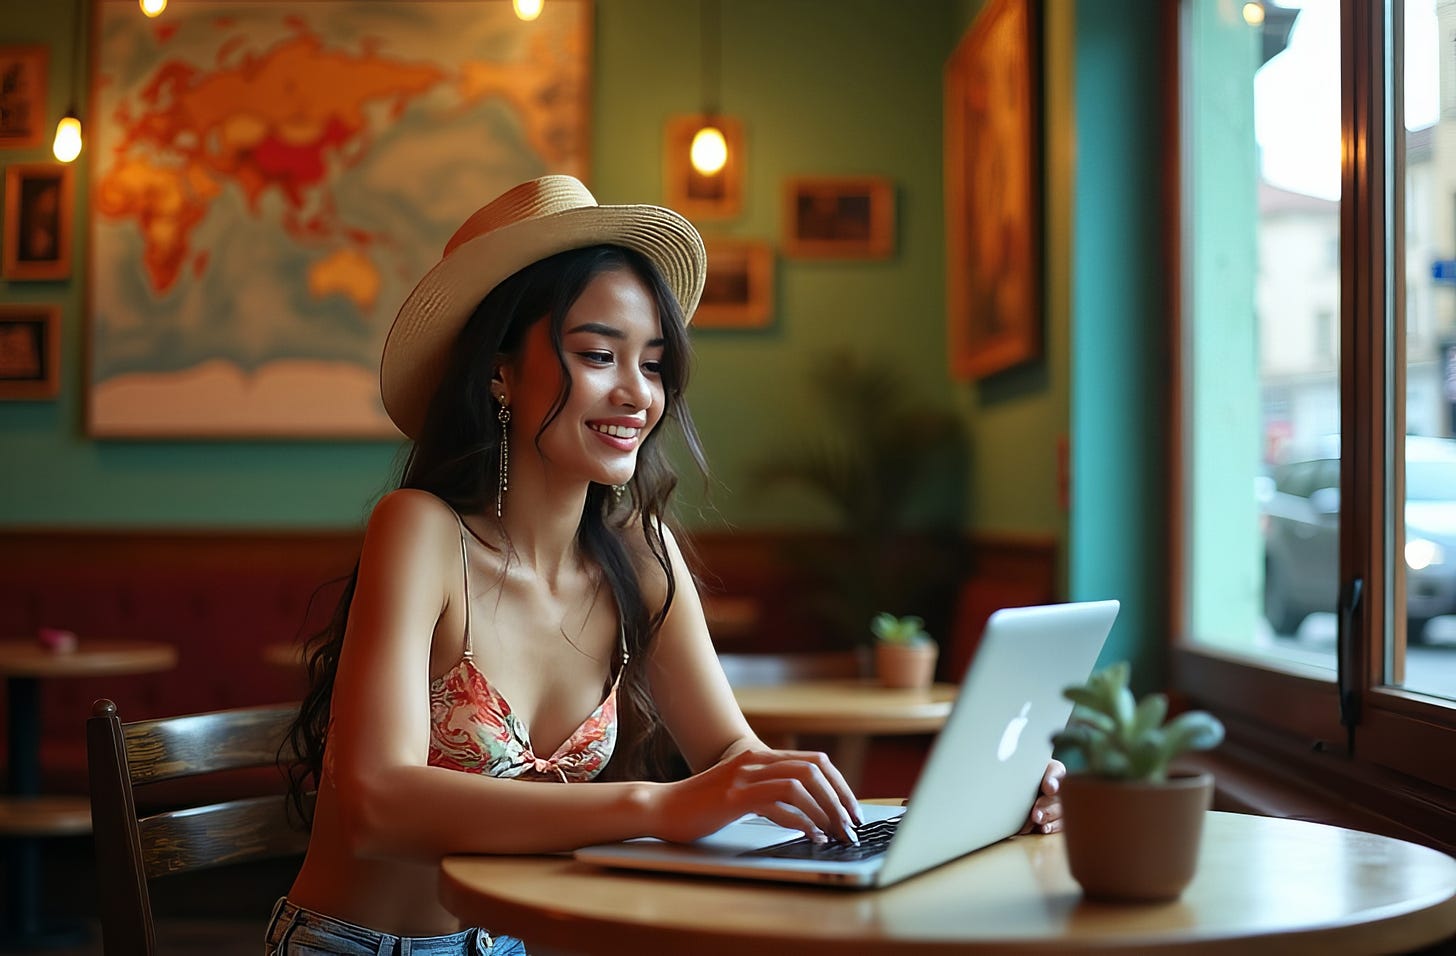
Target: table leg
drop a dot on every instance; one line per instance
(21, 927)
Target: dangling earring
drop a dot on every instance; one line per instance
(504, 417)
(617, 492)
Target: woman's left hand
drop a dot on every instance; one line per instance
(1046, 813)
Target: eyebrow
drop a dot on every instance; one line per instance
(598, 328)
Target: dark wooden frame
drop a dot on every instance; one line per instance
(744, 269)
(685, 190)
(41, 323)
(844, 233)
(31, 61)
(993, 192)
(17, 264)
(131, 850)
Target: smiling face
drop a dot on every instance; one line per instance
(612, 350)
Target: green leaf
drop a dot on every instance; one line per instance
(1085, 698)
(1150, 714)
(1195, 730)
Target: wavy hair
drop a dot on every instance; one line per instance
(456, 457)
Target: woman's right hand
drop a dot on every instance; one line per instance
(798, 789)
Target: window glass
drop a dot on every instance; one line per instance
(1428, 558)
(1261, 349)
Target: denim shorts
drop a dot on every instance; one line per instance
(295, 931)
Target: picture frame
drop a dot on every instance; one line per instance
(36, 232)
(697, 196)
(739, 291)
(839, 217)
(993, 196)
(30, 352)
(24, 81)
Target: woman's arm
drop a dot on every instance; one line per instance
(735, 772)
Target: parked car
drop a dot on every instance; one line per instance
(1301, 535)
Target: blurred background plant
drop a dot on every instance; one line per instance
(892, 468)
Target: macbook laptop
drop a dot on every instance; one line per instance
(977, 786)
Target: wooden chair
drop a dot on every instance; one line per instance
(131, 850)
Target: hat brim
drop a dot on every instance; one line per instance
(417, 348)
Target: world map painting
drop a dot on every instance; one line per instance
(270, 180)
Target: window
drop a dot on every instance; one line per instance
(1317, 590)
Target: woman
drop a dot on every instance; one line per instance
(523, 578)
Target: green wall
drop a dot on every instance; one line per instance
(1119, 332)
(823, 87)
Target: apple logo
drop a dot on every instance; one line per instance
(1011, 736)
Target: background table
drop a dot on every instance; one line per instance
(1264, 886)
(25, 815)
(851, 710)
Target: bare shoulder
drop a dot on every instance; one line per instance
(639, 540)
(410, 516)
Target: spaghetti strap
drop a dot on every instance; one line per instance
(465, 577)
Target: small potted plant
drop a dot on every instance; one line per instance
(904, 654)
(1132, 826)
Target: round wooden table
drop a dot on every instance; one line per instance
(844, 707)
(1264, 886)
(850, 710)
(25, 815)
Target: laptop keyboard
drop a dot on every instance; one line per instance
(874, 839)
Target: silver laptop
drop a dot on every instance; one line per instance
(976, 788)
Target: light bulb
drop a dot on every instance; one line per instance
(709, 151)
(68, 138)
(527, 9)
(1253, 13)
(153, 8)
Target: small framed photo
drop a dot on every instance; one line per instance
(37, 226)
(739, 290)
(30, 351)
(839, 218)
(696, 195)
(23, 78)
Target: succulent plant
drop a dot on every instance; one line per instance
(1123, 739)
(899, 630)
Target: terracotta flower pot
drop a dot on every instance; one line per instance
(1134, 841)
(906, 665)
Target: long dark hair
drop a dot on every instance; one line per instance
(456, 457)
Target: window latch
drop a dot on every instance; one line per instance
(1347, 650)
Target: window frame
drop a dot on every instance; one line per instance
(1283, 709)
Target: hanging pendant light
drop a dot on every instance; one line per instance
(709, 150)
(67, 145)
(527, 10)
(153, 8)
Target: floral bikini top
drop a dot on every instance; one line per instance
(472, 727)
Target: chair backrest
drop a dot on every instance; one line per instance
(132, 849)
(745, 670)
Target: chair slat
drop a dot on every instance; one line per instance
(221, 833)
(206, 743)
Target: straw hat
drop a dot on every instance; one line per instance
(534, 220)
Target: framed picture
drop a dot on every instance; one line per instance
(694, 194)
(993, 169)
(250, 244)
(37, 227)
(739, 290)
(23, 76)
(30, 351)
(839, 218)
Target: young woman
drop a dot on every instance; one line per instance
(521, 614)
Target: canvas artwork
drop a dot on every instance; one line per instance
(272, 178)
(993, 166)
